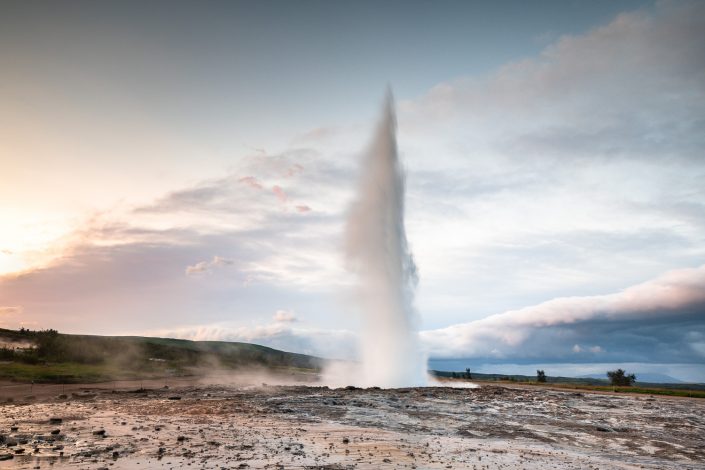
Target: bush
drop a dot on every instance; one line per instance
(540, 376)
(620, 378)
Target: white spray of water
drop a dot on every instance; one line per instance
(378, 253)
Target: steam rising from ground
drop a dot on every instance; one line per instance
(378, 253)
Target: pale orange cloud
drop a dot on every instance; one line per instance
(279, 192)
(251, 181)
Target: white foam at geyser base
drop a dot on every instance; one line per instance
(378, 254)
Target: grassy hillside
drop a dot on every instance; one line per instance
(49, 356)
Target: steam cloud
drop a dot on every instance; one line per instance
(378, 253)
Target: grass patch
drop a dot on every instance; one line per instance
(66, 372)
(673, 392)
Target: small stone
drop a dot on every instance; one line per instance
(99, 432)
(55, 420)
(55, 431)
(346, 440)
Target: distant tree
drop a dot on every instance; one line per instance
(540, 376)
(468, 375)
(620, 378)
(7, 354)
(454, 375)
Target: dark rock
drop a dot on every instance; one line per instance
(55, 420)
(181, 438)
(175, 397)
(604, 429)
(346, 440)
(19, 451)
(99, 432)
(55, 431)
(14, 428)
(6, 457)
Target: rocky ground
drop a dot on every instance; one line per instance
(216, 426)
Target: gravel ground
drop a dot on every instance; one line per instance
(217, 426)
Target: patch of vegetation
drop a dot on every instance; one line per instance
(620, 378)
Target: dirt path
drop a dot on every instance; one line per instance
(212, 426)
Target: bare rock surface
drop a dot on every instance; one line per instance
(216, 426)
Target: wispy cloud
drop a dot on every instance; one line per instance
(207, 266)
(281, 334)
(284, 316)
(10, 310)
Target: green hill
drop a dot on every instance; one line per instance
(49, 356)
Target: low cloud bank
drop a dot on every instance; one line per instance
(659, 320)
(279, 334)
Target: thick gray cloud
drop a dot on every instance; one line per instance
(662, 320)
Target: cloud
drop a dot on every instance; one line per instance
(303, 209)
(327, 343)
(10, 310)
(207, 266)
(284, 316)
(279, 193)
(572, 172)
(654, 319)
(251, 181)
(9, 314)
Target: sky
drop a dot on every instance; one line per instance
(185, 169)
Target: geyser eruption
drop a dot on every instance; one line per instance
(378, 253)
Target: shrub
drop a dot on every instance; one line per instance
(620, 378)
